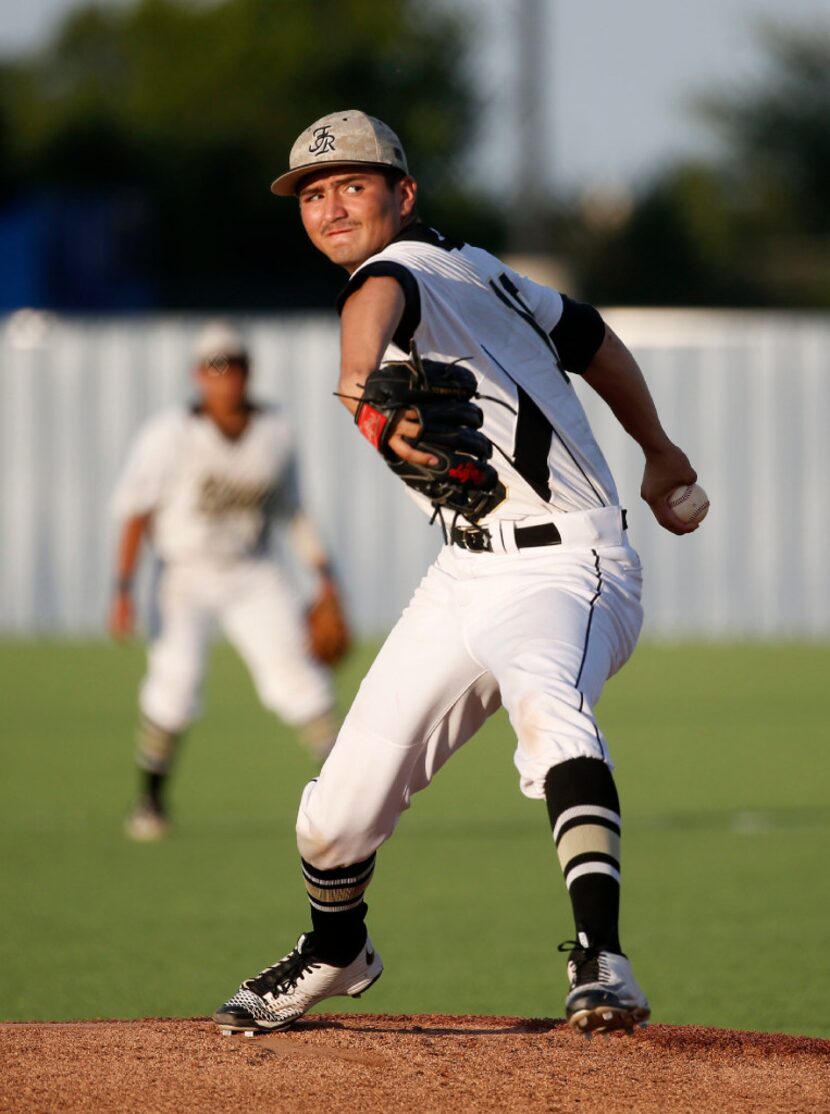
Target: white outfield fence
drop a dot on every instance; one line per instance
(747, 394)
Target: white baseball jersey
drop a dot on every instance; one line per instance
(462, 302)
(210, 496)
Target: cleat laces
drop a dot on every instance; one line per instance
(285, 975)
(586, 962)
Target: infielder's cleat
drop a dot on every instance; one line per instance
(604, 994)
(281, 994)
(146, 822)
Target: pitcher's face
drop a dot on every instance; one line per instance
(350, 215)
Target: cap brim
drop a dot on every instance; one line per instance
(286, 184)
(202, 358)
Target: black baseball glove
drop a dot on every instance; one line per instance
(462, 481)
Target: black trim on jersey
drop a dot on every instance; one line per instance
(388, 268)
(532, 440)
(578, 334)
(521, 307)
(534, 434)
(537, 443)
(422, 233)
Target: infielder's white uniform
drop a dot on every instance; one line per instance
(213, 501)
(537, 627)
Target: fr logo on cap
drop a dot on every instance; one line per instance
(345, 138)
(323, 140)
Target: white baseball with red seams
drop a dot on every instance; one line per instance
(689, 503)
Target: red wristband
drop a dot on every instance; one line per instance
(372, 424)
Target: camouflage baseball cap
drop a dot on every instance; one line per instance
(341, 139)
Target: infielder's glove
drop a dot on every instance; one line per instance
(328, 629)
(440, 393)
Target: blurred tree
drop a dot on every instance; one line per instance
(682, 243)
(752, 229)
(197, 104)
(778, 134)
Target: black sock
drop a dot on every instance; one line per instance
(156, 750)
(584, 812)
(153, 786)
(338, 911)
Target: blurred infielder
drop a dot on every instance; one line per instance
(205, 484)
(457, 370)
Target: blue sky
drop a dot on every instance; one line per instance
(619, 77)
(621, 74)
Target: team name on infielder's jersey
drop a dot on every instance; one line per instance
(218, 496)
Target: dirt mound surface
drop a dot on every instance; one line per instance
(377, 1064)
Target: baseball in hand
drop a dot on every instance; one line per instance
(689, 503)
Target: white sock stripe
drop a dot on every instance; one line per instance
(585, 810)
(333, 908)
(338, 883)
(591, 868)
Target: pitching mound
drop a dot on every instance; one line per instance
(377, 1064)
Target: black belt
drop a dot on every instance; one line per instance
(477, 538)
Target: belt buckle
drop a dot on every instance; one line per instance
(475, 539)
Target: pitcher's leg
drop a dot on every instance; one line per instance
(369, 778)
(552, 665)
(423, 697)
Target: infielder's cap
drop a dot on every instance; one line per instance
(219, 341)
(345, 138)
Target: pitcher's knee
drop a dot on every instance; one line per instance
(330, 837)
(553, 726)
(330, 849)
(557, 716)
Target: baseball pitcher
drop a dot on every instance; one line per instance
(205, 485)
(458, 371)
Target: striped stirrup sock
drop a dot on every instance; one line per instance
(338, 910)
(155, 747)
(584, 812)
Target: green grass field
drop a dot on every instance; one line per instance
(724, 775)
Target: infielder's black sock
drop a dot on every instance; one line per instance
(338, 911)
(156, 749)
(584, 812)
(153, 787)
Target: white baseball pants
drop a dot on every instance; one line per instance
(539, 630)
(257, 609)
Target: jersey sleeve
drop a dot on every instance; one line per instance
(578, 334)
(150, 460)
(576, 328)
(391, 268)
(543, 302)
